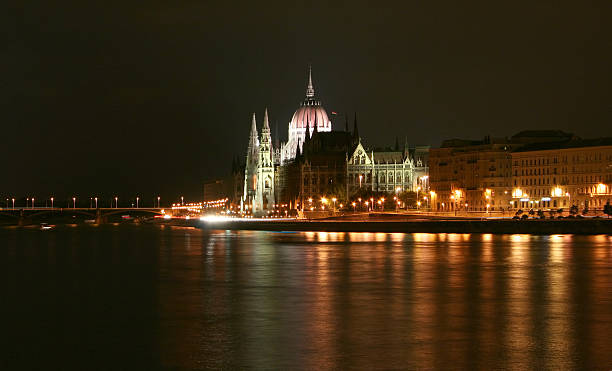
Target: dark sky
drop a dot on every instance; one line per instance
(154, 97)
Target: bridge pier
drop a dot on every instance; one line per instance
(100, 219)
(22, 220)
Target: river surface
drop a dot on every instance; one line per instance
(150, 297)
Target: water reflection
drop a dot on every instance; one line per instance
(314, 300)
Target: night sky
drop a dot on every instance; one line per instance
(104, 98)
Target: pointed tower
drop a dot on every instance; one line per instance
(253, 141)
(310, 93)
(265, 170)
(406, 148)
(250, 170)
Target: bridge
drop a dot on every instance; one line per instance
(25, 214)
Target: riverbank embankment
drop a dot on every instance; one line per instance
(505, 226)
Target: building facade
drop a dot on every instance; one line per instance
(471, 175)
(562, 174)
(317, 161)
(532, 169)
(388, 170)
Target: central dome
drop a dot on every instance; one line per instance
(309, 114)
(306, 117)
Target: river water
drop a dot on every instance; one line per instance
(150, 297)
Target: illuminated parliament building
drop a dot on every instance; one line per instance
(318, 161)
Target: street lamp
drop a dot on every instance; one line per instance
(32, 202)
(360, 177)
(116, 198)
(158, 201)
(74, 202)
(12, 199)
(137, 198)
(96, 199)
(353, 206)
(181, 200)
(334, 201)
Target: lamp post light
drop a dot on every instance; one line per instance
(360, 178)
(74, 202)
(367, 208)
(90, 202)
(323, 203)
(158, 198)
(32, 202)
(96, 199)
(12, 199)
(27, 200)
(334, 201)
(181, 200)
(137, 198)
(354, 204)
(116, 201)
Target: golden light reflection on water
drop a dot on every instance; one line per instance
(362, 300)
(517, 328)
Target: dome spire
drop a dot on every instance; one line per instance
(310, 89)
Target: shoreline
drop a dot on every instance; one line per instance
(535, 227)
(589, 226)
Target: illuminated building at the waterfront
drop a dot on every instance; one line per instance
(535, 169)
(317, 161)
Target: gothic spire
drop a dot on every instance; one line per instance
(254, 126)
(316, 124)
(310, 89)
(253, 137)
(307, 127)
(266, 125)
